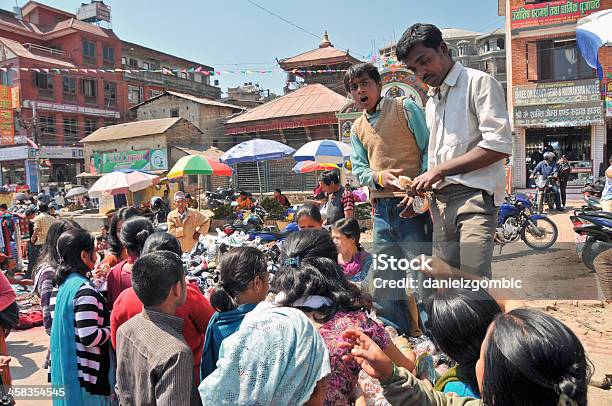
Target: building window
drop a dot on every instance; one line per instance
(47, 125)
(145, 65)
(69, 88)
(486, 46)
(89, 52)
(88, 88)
(153, 66)
(110, 93)
(174, 112)
(133, 63)
(135, 94)
(155, 93)
(124, 61)
(108, 55)
(70, 129)
(183, 75)
(500, 65)
(562, 60)
(501, 43)
(90, 126)
(44, 83)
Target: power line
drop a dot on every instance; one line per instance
(284, 19)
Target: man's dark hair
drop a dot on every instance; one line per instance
(358, 70)
(427, 34)
(3, 206)
(278, 190)
(329, 177)
(43, 208)
(154, 274)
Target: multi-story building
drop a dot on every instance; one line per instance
(485, 52)
(555, 100)
(68, 76)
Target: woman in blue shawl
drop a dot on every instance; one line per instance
(80, 372)
(243, 283)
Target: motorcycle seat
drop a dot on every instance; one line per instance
(602, 214)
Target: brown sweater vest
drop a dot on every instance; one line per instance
(390, 144)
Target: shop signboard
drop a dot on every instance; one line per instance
(578, 91)
(55, 152)
(144, 160)
(559, 115)
(14, 153)
(71, 108)
(32, 175)
(7, 123)
(552, 13)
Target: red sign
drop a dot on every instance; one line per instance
(552, 12)
(7, 124)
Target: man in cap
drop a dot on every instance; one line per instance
(186, 224)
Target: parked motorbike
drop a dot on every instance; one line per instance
(220, 197)
(594, 187)
(546, 191)
(517, 220)
(594, 229)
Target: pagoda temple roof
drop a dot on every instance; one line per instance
(325, 55)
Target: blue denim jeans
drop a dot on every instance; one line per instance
(400, 238)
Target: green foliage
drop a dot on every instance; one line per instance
(276, 211)
(223, 212)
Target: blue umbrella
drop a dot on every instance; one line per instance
(256, 150)
(324, 151)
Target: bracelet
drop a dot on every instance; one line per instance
(404, 346)
(393, 375)
(380, 182)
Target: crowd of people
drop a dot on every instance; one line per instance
(128, 327)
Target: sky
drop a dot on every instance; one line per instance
(237, 34)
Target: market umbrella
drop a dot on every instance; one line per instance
(77, 191)
(324, 151)
(256, 150)
(190, 165)
(121, 182)
(311, 166)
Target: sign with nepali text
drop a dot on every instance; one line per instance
(552, 12)
(7, 122)
(559, 115)
(144, 160)
(609, 99)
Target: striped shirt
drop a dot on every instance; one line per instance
(154, 365)
(92, 337)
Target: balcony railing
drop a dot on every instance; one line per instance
(175, 83)
(40, 48)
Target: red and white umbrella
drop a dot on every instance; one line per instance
(116, 183)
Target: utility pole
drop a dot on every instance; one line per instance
(35, 140)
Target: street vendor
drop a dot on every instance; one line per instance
(186, 224)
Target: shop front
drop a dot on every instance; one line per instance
(46, 168)
(566, 118)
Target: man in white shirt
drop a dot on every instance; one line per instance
(470, 137)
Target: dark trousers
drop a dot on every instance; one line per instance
(563, 190)
(33, 254)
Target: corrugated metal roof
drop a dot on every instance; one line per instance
(23, 52)
(131, 130)
(199, 100)
(311, 99)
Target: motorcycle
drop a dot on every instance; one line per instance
(594, 229)
(220, 197)
(594, 187)
(517, 220)
(546, 191)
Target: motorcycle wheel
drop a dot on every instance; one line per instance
(540, 234)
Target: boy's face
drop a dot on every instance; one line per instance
(365, 92)
(428, 64)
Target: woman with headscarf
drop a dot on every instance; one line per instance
(276, 357)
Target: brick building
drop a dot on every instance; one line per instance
(556, 100)
(53, 61)
(208, 115)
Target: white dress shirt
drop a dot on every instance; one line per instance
(466, 111)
